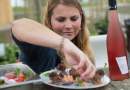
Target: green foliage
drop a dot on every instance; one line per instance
(94, 34)
(0, 36)
(84, 4)
(9, 56)
(20, 9)
(101, 26)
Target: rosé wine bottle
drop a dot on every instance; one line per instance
(116, 46)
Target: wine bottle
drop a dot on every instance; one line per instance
(16, 57)
(116, 46)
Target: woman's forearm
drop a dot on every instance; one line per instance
(26, 30)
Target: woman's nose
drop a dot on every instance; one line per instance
(68, 24)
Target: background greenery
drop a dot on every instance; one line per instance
(9, 56)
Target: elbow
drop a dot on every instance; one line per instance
(14, 25)
(17, 24)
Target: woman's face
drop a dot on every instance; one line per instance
(66, 20)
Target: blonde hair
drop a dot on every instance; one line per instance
(82, 39)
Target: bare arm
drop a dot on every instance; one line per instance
(26, 30)
(29, 31)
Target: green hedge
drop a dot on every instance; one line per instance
(9, 56)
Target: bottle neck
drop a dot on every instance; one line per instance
(112, 5)
(113, 17)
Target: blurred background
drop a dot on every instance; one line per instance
(96, 12)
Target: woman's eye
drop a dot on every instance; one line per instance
(73, 19)
(61, 20)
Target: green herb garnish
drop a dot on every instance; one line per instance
(46, 75)
(79, 82)
(26, 74)
(2, 81)
(17, 71)
(105, 67)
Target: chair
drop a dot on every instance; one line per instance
(100, 51)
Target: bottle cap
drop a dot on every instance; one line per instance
(112, 5)
(16, 55)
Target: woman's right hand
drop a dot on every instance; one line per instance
(78, 60)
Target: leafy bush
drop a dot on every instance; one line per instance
(9, 56)
(101, 26)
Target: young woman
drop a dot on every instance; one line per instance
(39, 43)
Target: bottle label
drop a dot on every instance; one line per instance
(122, 63)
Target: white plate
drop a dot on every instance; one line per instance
(46, 80)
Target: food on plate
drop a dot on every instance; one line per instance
(11, 81)
(46, 75)
(68, 79)
(74, 73)
(57, 80)
(96, 79)
(100, 73)
(52, 75)
(65, 77)
(5, 79)
(17, 71)
(61, 67)
(2, 82)
(23, 76)
(14, 77)
(61, 75)
(11, 76)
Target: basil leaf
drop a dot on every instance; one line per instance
(46, 75)
(79, 82)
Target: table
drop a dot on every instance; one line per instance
(113, 85)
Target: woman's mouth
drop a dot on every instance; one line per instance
(68, 33)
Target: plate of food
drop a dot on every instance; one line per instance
(17, 75)
(62, 77)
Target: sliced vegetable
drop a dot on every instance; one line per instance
(79, 82)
